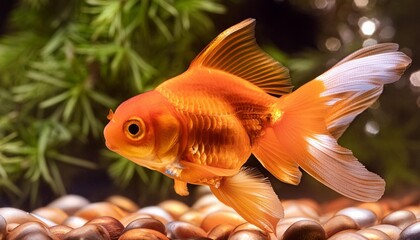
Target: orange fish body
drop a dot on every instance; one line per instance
(201, 127)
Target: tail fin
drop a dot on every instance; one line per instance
(252, 197)
(308, 122)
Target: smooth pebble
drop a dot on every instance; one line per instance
(177, 229)
(192, 216)
(221, 217)
(363, 217)
(112, 225)
(90, 231)
(29, 230)
(373, 234)
(339, 223)
(392, 231)
(305, 229)
(53, 214)
(174, 207)
(75, 222)
(149, 223)
(3, 228)
(248, 235)
(143, 233)
(412, 232)
(124, 203)
(60, 230)
(347, 235)
(69, 203)
(221, 232)
(158, 213)
(399, 218)
(98, 209)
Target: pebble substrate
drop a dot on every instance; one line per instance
(74, 217)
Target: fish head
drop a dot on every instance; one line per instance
(144, 130)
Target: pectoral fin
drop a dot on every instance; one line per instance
(181, 187)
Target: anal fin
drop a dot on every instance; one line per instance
(252, 197)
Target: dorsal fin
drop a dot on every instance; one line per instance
(235, 51)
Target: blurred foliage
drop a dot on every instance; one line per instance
(64, 63)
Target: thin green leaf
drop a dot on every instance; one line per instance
(55, 100)
(38, 76)
(102, 99)
(73, 160)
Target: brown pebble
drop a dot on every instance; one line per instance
(347, 235)
(177, 229)
(112, 225)
(90, 231)
(124, 203)
(192, 216)
(143, 233)
(149, 223)
(310, 203)
(305, 229)
(376, 207)
(295, 209)
(29, 230)
(44, 221)
(411, 232)
(69, 203)
(158, 213)
(98, 209)
(247, 234)
(215, 208)
(373, 234)
(75, 222)
(400, 218)
(221, 217)
(174, 207)
(59, 230)
(3, 228)
(415, 210)
(14, 215)
(285, 223)
(247, 226)
(133, 216)
(205, 201)
(363, 217)
(339, 223)
(220, 232)
(52, 213)
(392, 231)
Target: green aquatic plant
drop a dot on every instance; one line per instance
(65, 63)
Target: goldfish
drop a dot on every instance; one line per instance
(234, 100)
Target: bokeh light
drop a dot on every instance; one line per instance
(369, 42)
(367, 26)
(415, 79)
(361, 3)
(372, 128)
(333, 44)
(323, 4)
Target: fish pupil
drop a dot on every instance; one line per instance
(133, 129)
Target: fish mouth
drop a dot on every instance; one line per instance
(110, 146)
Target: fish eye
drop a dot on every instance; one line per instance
(134, 128)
